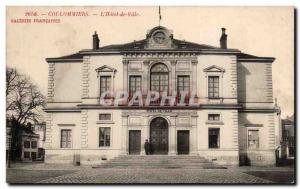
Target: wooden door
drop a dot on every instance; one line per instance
(183, 142)
(134, 142)
(159, 136)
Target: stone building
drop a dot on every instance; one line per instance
(288, 137)
(232, 118)
(29, 141)
(40, 129)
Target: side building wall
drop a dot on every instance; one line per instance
(56, 122)
(91, 151)
(258, 119)
(227, 153)
(264, 124)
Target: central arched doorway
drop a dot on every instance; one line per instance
(159, 136)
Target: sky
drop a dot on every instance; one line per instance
(261, 31)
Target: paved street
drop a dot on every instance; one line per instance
(49, 173)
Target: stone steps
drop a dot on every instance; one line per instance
(159, 161)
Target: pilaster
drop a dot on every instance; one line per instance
(194, 76)
(125, 75)
(124, 148)
(172, 136)
(194, 138)
(172, 83)
(145, 78)
(145, 131)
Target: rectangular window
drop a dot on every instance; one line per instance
(26, 144)
(213, 117)
(66, 139)
(105, 84)
(183, 83)
(105, 117)
(214, 138)
(27, 155)
(213, 86)
(135, 84)
(104, 136)
(253, 139)
(33, 144)
(33, 155)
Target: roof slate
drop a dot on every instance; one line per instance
(140, 45)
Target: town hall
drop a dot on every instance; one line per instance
(185, 98)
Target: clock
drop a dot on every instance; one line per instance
(159, 37)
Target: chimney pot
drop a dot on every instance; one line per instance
(223, 31)
(96, 41)
(223, 39)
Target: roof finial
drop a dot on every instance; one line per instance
(159, 15)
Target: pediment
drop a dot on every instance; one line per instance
(214, 68)
(105, 69)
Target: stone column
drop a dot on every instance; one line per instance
(125, 75)
(172, 80)
(172, 136)
(194, 76)
(145, 78)
(124, 148)
(194, 139)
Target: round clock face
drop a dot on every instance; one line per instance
(159, 37)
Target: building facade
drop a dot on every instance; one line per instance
(227, 113)
(21, 142)
(29, 146)
(40, 129)
(288, 137)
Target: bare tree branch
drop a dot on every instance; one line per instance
(22, 97)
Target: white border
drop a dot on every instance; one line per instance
(5, 3)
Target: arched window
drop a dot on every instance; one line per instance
(159, 78)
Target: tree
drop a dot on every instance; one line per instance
(11, 80)
(22, 97)
(22, 102)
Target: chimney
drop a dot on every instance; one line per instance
(223, 39)
(95, 41)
